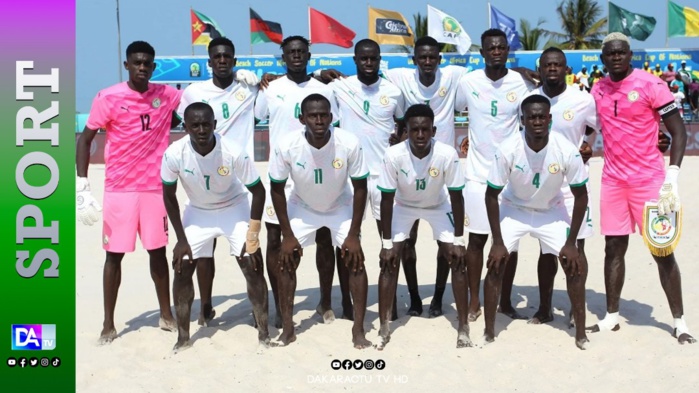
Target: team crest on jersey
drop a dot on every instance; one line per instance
(512, 96)
(442, 91)
(337, 163)
(270, 211)
(434, 172)
(554, 168)
(632, 96)
(223, 170)
(568, 115)
(383, 100)
(240, 96)
(156, 103)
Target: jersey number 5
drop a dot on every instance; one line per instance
(493, 108)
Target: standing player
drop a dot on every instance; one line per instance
(281, 102)
(368, 105)
(232, 97)
(492, 96)
(533, 165)
(416, 175)
(138, 116)
(213, 171)
(630, 104)
(320, 161)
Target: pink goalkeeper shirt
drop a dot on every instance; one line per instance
(138, 130)
(629, 113)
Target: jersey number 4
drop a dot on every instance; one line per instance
(535, 181)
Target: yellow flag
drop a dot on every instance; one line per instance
(389, 27)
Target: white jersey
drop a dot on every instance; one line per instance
(533, 180)
(493, 116)
(233, 109)
(214, 181)
(368, 111)
(320, 176)
(281, 102)
(418, 182)
(439, 96)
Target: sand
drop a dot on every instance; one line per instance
(422, 355)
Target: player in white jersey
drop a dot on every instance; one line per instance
(232, 97)
(321, 161)
(368, 105)
(281, 102)
(531, 167)
(423, 177)
(492, 96)
(215, 174)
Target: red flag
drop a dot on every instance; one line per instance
(327, 30)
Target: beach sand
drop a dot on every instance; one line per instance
(422, 354)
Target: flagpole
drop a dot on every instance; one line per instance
(119, 40)
(490, 17)
(667, 13)
(249, 8)
(191, 10)
(309, 23)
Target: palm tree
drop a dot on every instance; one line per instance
(582, 26)
(529, 36)
(420, 30)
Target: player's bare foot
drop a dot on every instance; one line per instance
(684, 338)
(384, 337)
(473, 315)
(359, 340)
(511, 312)
(435, 309)
(415, 309)
(287, 338)
(463, 340)
(488, 338)
(327, 315)
(107, 336)
(204, 319)
(582, 343)
(596, 328)
(168, 325)
(541, 317)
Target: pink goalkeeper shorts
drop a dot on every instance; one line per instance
(126, 214)
(621, 208)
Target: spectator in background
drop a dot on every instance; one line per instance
(678, 82)
(669, 75)
(679, 98)
(693, 96)
(646, 68)
(570, 77)
(583, 78)
(657, 71)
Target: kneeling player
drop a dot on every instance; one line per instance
(213, 173)
(533, 165)
(416, 174)
(319, 160)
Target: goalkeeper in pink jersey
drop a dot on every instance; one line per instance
(630, 104)
(137, 116)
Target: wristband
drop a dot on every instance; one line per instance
(316, 73)
(82, 184)
(387, 243)
(672, 173)
(459, 241)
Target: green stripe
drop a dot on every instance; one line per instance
(677, 22)
(580, 184)
(259, 37)
(456, 188)
(275, 180)
(253, 183)
(491, 185)
(168, 183)
(386, 189)
(360, 177)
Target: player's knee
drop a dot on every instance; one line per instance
(157, 253)
(323, 238)
(113, 258)
(476, 242)
(616, 245)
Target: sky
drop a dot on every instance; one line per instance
(165, 25)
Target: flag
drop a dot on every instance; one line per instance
(682, 21)
(444, 28)
(203, 29)
(263, 30)
(633, 25)
(498, 20)
(327, 30)
(389, 27)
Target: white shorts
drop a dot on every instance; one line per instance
(373, 197)
(203, 226)
(269, 215)
(476, 216)
(305, 222)
(440, 219)
(586, 229)
(550, 227)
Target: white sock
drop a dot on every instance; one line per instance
(609, 321)
(681, 326)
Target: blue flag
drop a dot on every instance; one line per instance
(498, 20)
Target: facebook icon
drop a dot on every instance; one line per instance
(33, 337)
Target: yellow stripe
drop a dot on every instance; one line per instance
(691, 17)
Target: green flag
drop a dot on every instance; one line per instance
(635, 26)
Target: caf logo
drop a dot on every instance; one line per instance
(568, 115)
(383, 100)
(223, 170)
(554, 168)
(442, 91)
(434, 172)
(270, 211)
(632, 96)
(240, 96)
(337, 163)
(156, 103)
(512, 96)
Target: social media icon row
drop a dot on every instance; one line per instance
(33, 362)
(357, 364)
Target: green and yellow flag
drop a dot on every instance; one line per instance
(682, 21)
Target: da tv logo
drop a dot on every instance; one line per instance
(33, 337)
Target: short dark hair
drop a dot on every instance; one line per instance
(198, 106)
(221, 41)
(315, 97)
(366, 43)
(492, 33)
(535, 99)
(553, 49)
(427, 41)
(140, 47)
(419, 110)
(294, 38)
